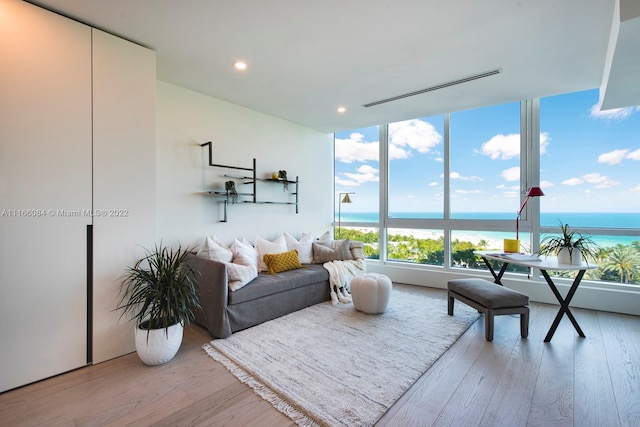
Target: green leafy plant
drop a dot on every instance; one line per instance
(160, 290)
(571, 240)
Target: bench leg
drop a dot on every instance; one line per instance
(450, 304)
(488, 325)
(524, 323)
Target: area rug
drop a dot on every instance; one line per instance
(333, 365)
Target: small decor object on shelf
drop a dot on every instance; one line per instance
(230, 188)
(570, 247)
(275, 175)
(283, 176)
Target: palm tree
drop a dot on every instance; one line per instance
(624, 261)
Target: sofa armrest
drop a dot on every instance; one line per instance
(214, 295)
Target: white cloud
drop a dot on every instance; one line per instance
(345, 182)
(636, 189)
(456, 175)
(612, 157)
(572, 181)
(398, 153)
(502, 147)
(355, 149)
(410, 135)
(595, 179)
(599, 181)
(511, 174)
(433, 184)
(364, 174)
(468, 191)
(545, 139)
(545, 184)
(634, 155)
(508, 187)
(613, 114)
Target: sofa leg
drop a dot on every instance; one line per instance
(524, 324)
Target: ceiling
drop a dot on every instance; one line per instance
(305, 58)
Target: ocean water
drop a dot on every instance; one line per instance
(581, 221)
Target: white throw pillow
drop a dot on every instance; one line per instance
(240, 275)
(278, 246)
(303, 246)
(244, 267)
(244, 253)
(214, 250)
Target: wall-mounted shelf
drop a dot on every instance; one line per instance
(248, 180)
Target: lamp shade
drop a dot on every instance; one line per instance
(346, 199)
(535, 192)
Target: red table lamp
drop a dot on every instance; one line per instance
(533, 192)
(514, 245)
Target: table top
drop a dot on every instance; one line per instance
(528, 260)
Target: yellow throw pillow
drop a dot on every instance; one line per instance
(277, 263)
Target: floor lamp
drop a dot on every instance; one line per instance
(341, 200)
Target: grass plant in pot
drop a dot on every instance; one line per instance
(570, 246)
(161, 294)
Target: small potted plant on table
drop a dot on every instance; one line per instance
(160, 292)
(570, 246)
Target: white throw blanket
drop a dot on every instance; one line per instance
(340, 275)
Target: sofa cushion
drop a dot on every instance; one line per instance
(268, 284)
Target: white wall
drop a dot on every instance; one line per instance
(185, 215)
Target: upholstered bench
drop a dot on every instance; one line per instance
(491, 300)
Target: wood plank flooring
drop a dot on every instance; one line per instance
(571, 381)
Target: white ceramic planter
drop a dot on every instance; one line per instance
(161, 346)
(575, 257)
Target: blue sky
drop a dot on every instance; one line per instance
(590, 160)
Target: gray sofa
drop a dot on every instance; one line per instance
(267, 297)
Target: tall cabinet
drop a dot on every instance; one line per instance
(77, 189)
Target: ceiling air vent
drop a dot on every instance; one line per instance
(436, 87)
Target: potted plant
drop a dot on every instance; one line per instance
(161, 294)
(570, 246)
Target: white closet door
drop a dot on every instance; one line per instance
(45, 186)
(124, 126)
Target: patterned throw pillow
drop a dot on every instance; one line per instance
(277, 263)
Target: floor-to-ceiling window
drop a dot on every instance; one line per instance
(452, 184)
(590, 173)
(356, 183)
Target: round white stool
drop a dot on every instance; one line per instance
(371, 292)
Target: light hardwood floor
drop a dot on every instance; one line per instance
(571, 381)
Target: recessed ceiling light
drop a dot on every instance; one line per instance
(341, 109)
(240, 65)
